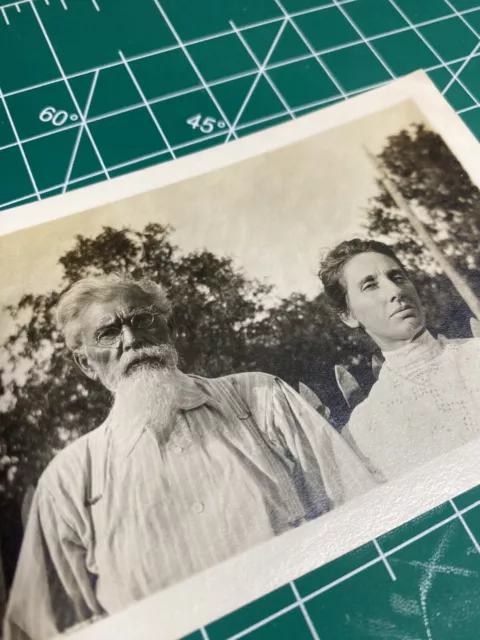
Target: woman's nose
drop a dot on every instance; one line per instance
(392, 290)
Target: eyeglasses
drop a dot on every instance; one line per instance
(142, 321)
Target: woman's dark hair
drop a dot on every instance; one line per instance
(331, 268)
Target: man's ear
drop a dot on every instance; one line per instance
(349, 319)
(82, 361)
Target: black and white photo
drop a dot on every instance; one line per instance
(190, 370)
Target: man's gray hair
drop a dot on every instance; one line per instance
(102, 288)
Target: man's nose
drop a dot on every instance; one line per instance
(129, 337)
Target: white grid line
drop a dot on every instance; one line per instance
(147, 105)
(432, 49)
(13, 4)
(46, 134)
(20, 145)
(310, 48)
(95, 4)
(384, 560)
(253, 72)
(304, 611)
(303, 599)
(220, 34)
(64, 4)
(183, 145)
(4, 14)
(356, 571)
(3, 8)
(137, 160)
(343, 578)
(256, 80)
(465, 526)
(264, 621)
(22, 199)
(81, 129)
(68, 86)
(122, 165)
(459, 15)
(364, 39)
(470, 507)
(457, 73)
(134, 161)
(204, 634)
(421, 535)
(193, 89)
(194, 66)
(302, 12)
(265, 73)
(465, 109)
(314, 54)
(220, 81)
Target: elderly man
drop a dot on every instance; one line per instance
(184, 472)
(426, 400)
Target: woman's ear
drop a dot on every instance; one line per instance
(83, 362)
(349, 319)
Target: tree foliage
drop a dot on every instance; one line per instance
(227, 322)
(445, 199)
(215, 305)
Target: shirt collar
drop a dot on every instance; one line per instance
(415, 354)
(190, 396)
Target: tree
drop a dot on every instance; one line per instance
(432, 180)
(301, 341)
(226, 322)
(52, 402)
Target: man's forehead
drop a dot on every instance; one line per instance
(117, 303)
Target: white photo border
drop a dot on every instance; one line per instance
(196, 602)
(211, 594)
(416, 87)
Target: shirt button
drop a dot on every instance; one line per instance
(197, 507)
(177, 449)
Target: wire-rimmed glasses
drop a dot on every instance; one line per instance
(111, 336)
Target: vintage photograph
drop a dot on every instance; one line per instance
(192, 371)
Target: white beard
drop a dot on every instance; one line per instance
(147, 397)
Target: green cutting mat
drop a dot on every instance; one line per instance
(418, 582)
(92, 89)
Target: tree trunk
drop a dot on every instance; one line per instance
(460, 284)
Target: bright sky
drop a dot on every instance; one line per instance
(274, 214)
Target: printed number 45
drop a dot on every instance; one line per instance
(206, 125)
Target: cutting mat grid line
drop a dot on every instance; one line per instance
(159, 79)
(411, 546)
(222, 34)
(328, 51)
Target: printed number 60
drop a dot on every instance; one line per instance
(50, 114)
